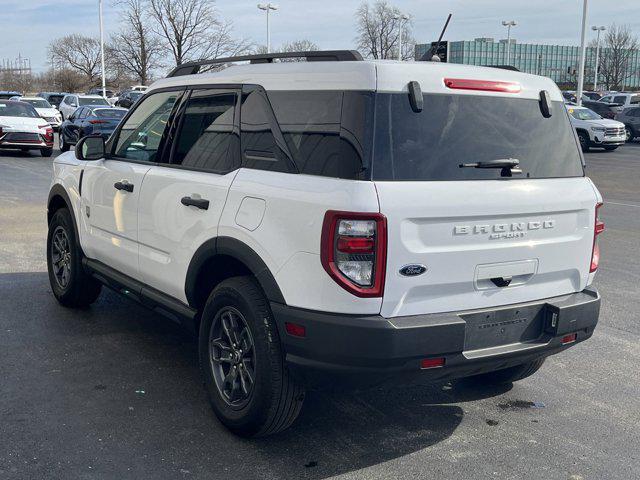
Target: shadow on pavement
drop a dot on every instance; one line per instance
(117, 389)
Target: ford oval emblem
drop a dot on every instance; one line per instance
(412, 270)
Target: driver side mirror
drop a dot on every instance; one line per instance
(90, 148)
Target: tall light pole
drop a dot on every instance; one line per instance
(104, 83)
(595, 78)
(402, 18)
(509, 24)
(268, 7)
(583, 52)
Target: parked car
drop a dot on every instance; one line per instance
(623, 99)
(21, 128)
(595, 131)
(54, 98)
(129, 98)
(592, 95)
(71, 102)
(630, 117)
(98, 91)
(139, 88)
(45, 110)
(342, 219)
(7, 94)
(605, 110)
(89, 121)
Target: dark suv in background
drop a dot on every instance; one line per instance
(605, 110)
(54, 98)
(631, 119)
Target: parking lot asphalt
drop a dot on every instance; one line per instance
(114, 392)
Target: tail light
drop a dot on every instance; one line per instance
(597, 230)
(483, 85)
(354, 251)
(95, 122)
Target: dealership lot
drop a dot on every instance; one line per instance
(114, 391)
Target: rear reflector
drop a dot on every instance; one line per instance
(483, 85)
(295, 330)
(427, 363)
(572, 337)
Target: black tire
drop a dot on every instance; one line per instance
(610, 148)
(509, 375)
(46, 152)
(79, 289)
(629, 133)
(64, 146)
(273, 401)
(585, 142)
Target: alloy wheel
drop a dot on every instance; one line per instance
(61, 257)
(232, 357)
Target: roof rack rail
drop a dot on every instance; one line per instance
(192, 68)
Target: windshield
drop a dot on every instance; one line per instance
(456, 129)
(38, 103)
(584, 114)
(16, 109)
(92, 101)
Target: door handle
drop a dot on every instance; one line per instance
(123, 185)
(200, 203)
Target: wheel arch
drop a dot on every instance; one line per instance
(59, 198)
(223, 257)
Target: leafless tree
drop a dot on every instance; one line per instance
(378, 28)
(295, 46)
(616, 52)
(78, 53)
(134, 50)
(192, 29)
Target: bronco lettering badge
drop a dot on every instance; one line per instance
(503, 230)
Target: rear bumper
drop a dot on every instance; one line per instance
(373, 349)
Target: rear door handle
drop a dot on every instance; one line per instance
(124, 185)
(200, 203)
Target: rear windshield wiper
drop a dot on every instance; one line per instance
(509, 166)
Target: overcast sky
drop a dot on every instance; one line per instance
(28, 26)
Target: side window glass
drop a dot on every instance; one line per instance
(323, 130)
(82, 113)
(620, 99)
(140, 136)
(260, 148)
(206, 138)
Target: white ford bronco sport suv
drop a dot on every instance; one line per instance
(337, 219)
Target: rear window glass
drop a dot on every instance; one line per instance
(324, 131)
(456, 129)
(93, 101)
(109, 113)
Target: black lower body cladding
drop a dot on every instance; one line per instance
(368, 350)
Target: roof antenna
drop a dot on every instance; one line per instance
(432, 54)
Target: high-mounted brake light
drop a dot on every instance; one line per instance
(483, 85)
(597, 230)
(354, 251)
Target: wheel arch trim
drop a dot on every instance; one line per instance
(231, 247)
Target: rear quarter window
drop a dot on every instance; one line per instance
(327, 132)
(456, 129)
